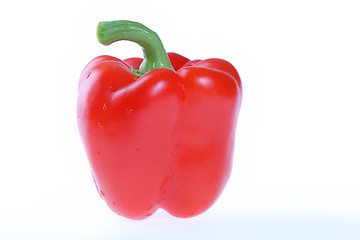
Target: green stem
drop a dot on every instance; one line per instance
(155, 55)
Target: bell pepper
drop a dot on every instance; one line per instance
(159, 131)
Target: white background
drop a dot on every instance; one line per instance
(297, 157)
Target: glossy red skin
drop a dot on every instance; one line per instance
(164, 140)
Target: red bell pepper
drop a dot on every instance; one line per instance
(159, 131)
